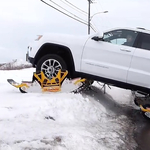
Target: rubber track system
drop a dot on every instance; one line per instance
(85, 86)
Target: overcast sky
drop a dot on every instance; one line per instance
(22, 20)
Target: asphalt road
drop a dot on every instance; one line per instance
(142, 130)
(138, 128)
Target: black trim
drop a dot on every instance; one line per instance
(114, 82)
(143, 37)
(138, 40)
(31, 60)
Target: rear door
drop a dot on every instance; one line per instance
(139, 72)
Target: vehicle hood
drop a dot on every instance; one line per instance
(65, 39)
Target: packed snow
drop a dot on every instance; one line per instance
(61, 121)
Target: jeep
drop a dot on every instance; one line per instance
(119, 57)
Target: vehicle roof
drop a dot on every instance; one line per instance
(138, 29)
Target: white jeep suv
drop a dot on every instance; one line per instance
(120, 57)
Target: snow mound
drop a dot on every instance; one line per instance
(15, 65)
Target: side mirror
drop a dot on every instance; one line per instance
(97, 38)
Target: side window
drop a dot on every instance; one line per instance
(145, 43)
(121, 37)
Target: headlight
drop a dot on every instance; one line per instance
(38, 37)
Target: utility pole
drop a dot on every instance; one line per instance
(89, 15)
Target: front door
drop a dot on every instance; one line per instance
(109, 58)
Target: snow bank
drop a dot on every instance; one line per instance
(15, 65)
(58, 121)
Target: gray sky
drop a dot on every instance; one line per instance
(22, 20)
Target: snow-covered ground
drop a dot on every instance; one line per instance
(61, 121)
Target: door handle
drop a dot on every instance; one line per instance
(125, 50)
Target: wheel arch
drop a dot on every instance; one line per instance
(60, 50)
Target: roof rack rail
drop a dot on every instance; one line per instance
(140, 28)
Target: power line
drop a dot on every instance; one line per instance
(99, 18)
(79, 19)
(64, 9)
(78, 10)
(100, 4)
(77, 7)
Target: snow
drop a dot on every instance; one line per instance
(59, 121)
(19, 62)
(15, 64)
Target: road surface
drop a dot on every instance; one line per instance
(137, 128)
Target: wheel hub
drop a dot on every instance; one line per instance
(51, 70)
